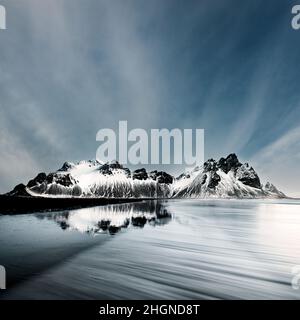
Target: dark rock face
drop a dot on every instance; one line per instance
(242, 172)
(50, 178)
(19, 190)
(108, 168)
(140, 174)
(65, 180)
(115, 165)
(248, 176)
(66, 166)
(161, 177)
(255, 183)
(127, 172)
(105, 169)
(222, 164)
(231, 162)
(210, 165)
(214, 180)
(40, 178)
(203, 178)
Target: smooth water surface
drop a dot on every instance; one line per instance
(177, 249)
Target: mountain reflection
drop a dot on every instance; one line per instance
(111, 218)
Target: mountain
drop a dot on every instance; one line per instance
(226, 178)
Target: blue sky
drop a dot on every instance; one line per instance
(69, 68)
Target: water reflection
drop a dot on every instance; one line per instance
(112, 218)
(43, 236)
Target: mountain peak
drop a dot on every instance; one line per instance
(231, 162)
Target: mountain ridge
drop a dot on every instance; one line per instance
(225, 178)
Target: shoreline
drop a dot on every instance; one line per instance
(13, 205)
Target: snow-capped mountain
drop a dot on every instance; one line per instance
(226, 178)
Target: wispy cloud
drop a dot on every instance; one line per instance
(280, 161)
(16, 162)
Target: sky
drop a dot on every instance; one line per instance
(69, 68)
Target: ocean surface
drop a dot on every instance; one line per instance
(176, 249)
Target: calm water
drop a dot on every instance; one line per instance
(179, 249)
